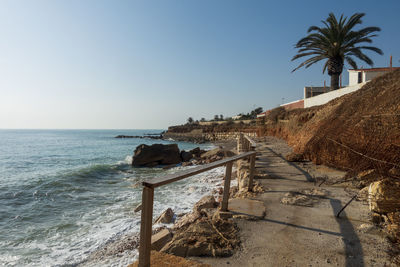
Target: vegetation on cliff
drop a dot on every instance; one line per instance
(356, 132)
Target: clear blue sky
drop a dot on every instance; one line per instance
(151, 64)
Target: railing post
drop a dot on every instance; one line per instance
(227, 186)
(240, 143)
(146, 226)
(252, 169)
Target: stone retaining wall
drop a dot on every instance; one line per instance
(197, 136)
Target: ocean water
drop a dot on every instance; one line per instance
(66, 193)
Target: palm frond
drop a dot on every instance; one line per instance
(338, 41)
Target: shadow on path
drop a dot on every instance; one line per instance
(352, 244)
(303, 172)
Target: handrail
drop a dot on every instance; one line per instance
(167, 179)
(252, 143)
(245, 143)
(148, 193)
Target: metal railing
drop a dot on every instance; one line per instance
(247, 151)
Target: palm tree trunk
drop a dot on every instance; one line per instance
(335, 81)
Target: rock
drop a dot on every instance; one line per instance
(138, 208)
(115, 247)
(305, 197)
(205, 237)
(395, 171)
(156, 154)
(166, 217)
(151, 164)
(363, 194)
(377, 218)
(186, 220)
(205, 202)
(294, 157)
(186, 156)
(159, 240)
(196, 152)
(220, 191)
(365, 178)
(294, 198)
(185, 164)
(384, 196)
(366, 227)
(393, 232)
(217, 152)
(222, 215)
(394, 217)
(169, 166)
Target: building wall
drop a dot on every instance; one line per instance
(325, 98)
(294, 105)
(310, 91)
(372, 74)
(353, 78)
(366, 76)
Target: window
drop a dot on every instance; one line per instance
(360, 77)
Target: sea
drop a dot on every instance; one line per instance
(66, 193)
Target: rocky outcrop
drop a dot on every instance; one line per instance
(157, 154)
(160, 239)
(202, 233)
(167, 216)
(384, 196)
(141, 136)
(206, 202)
(169, 156)
(205, 237)
(219, 152)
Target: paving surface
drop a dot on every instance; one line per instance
(309, 235)
(248, 207)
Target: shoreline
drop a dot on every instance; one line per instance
(129, 242)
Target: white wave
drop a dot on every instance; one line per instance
(106, 223)
(127, 160)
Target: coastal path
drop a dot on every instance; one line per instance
(300, 227)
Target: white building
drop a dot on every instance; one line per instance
(237, 117)
(357, 76)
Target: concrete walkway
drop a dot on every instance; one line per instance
(305, 235)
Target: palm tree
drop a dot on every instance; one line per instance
(338, 42)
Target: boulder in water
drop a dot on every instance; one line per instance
(157, 154)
